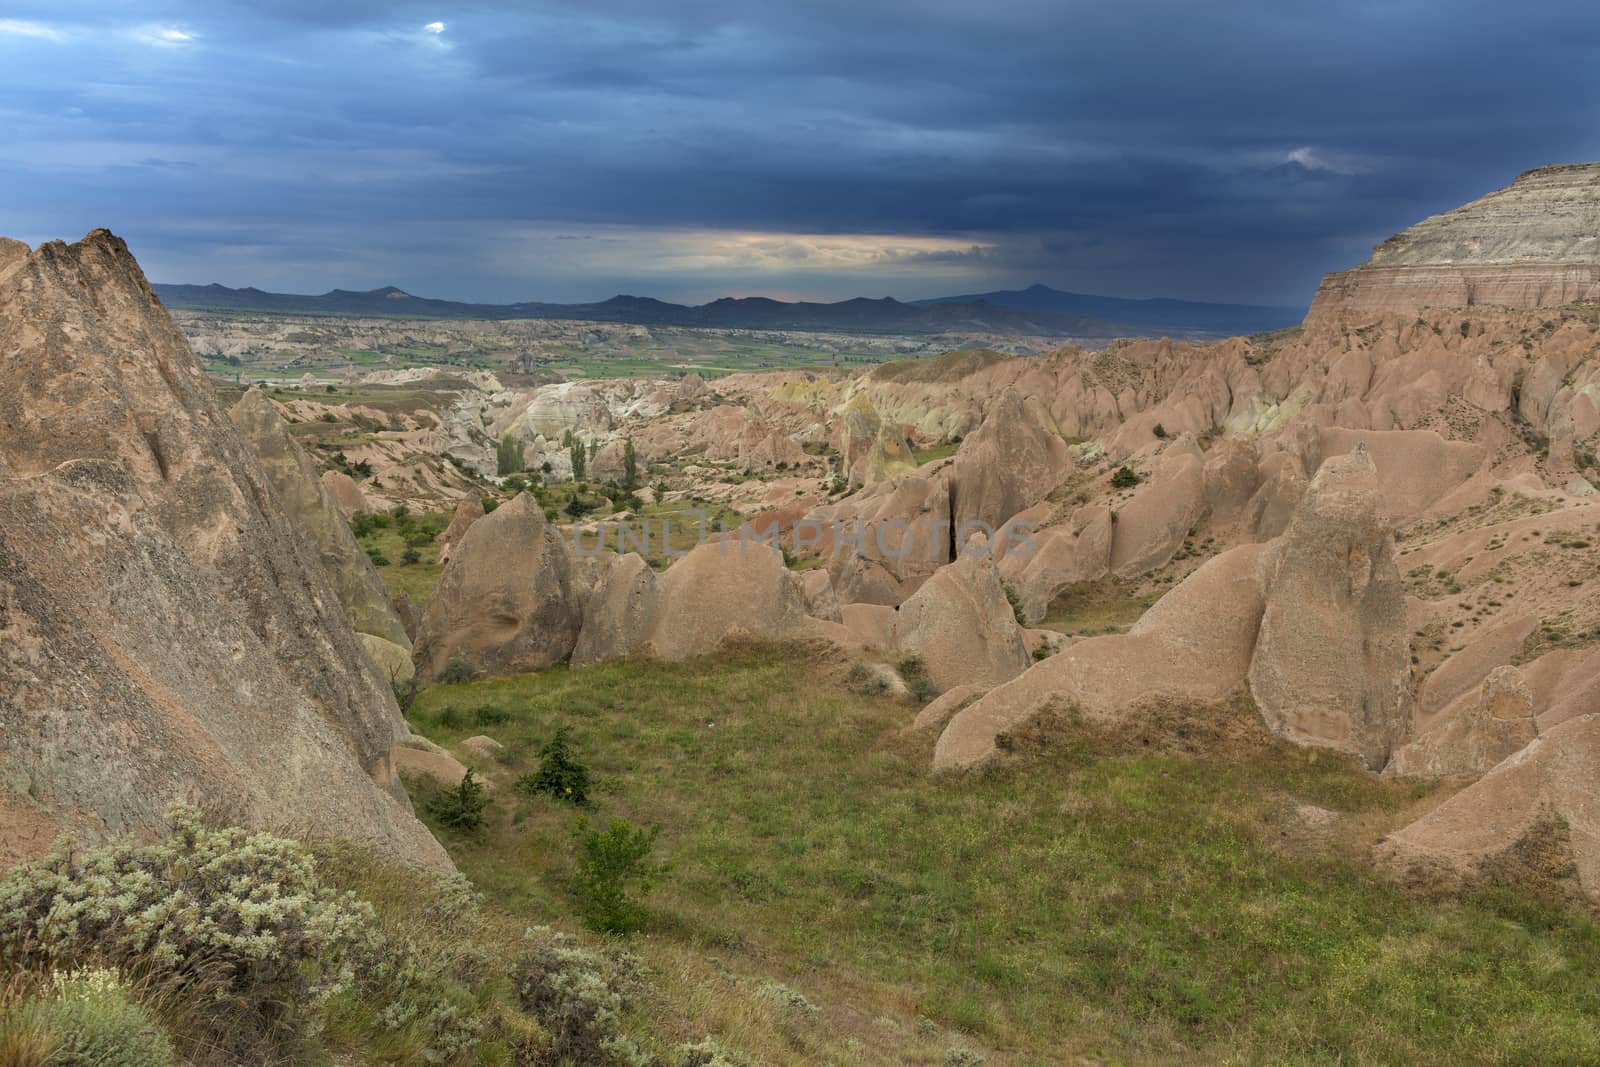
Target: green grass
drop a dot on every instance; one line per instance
(943, 450)
(1091, 608)
(1094, 898)
(416, 580)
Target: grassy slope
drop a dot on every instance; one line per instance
(1096, 899)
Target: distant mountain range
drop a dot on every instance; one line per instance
(1039, 311)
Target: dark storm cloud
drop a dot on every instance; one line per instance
(1218, 151)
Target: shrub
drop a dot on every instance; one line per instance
(581, 998)
(560, 775)
(490, 715)
(1159, 430)
(462, 807)
(96, 1024)
(1125, 478)
(1015, 602)
(377, 557)
(240, 917)
(410, 556)
(457, 672)
(613, 873)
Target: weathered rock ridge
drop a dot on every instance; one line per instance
(168, 633)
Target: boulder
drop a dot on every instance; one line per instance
(1332, 662)
(313, 511)
(944, 707)
(962, 626)
(431, 763)
(483, 747)
(506, 602)
(620, 614)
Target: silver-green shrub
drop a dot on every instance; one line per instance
(581, 998)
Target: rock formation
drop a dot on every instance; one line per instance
(1547, 789)
(620, 613)
(169, 634)
(962, 627)
(1332, 663)
(315, 514)
(725, 589)
(1313, 624)
(1007, 464)
(1497, 724)
(506, 602)
(467, 512)
(1529, 245)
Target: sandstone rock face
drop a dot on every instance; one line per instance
(963, 627)
(1193, 645)
(725, 590)
(872, 449)
(1008, 464)
(899, 532)
(467, 513)
(1553, 778)
(506, 602)
(313, 511)
(1151, 527)
(393, 661)
(346, 493)
(1058, 558)
(620, 612)
(1529, 245)
(820, 601)
(1496, 725)
(1332, 661)
(169, 634)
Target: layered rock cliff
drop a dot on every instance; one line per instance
(1535, 243)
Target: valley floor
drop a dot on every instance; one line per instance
(1193, 893)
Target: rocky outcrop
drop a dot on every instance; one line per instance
(619, 614)
(467, 512)
(346, 493)
(1312, 625)
(312, 509)
(507, 601)
(872, 449)
(962, 627)
(1497, 724)
(1536, 807)
(1529, 245)
(1152, 526)
(722, 590)
(1007, 464)
(1332, 661)
(168, 633)
(882, 543)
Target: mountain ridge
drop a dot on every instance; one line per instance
(858, 314)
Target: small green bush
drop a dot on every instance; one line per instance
(614, 872)
(710, 1053)
(581, 998)
(460, 808)
(560, 774)
(410, 557)
(377, 557)
(457, 672)
(490, 715)
(1125, 478)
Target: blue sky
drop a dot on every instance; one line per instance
(810, 148)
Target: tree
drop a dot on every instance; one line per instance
(580, 462)
(508, 457)
(630, 466)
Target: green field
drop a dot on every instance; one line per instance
(1126, 899)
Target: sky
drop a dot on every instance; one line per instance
(1229, 150)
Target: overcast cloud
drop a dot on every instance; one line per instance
(567, 151)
